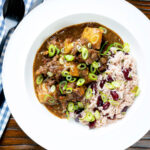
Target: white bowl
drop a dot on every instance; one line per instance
(43, 127)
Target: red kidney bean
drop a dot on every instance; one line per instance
(126, 74)
(92, 124)
(114, 95)
(106, 105)
(102, 83)
(99, 101)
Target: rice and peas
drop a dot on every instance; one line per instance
(108, 99)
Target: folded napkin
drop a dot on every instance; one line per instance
(4, 110)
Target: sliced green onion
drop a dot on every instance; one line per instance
(81, 66)
(78, 48)
(123, 113)
(73, 80)
(84, 53)
(89, 45)
(97, 115)
(92, 69)
(68, 77)
(65, 73)
(39, 79)
(69, 57)
(96, 64)
(62, 50)
(80, 104)
(109, 86)
(92, 76)
(53, 88)
(49, 98)
(70, 107)
(104, 97)
(114, 103)
(62, 86)
(69, 90)
(113, 85)
(116, 84)
(80, 82)
(136, 90)
(51, 50)
(58, 51)
(104, 30)
(76, 107)
(126, 48)
(118, 45)
(106, 42)
(67, 115)
(109, 47)
(89, 117)
(87, 105)
(52, 101)
(50, 74)
(88, 93)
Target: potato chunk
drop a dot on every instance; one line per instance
(42, 91)
(46, 97)
(68, 46)
(73, 69)
(93, 35)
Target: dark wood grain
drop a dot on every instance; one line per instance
(15, 139)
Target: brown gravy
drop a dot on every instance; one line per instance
(74, 32)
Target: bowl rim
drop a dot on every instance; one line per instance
(5, 62)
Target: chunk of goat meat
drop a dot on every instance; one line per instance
(93, 55)
(53, 66)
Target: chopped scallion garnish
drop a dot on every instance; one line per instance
(113, 85)
(106, 42)
(92, 69)
(68, 77)
(69, 57)
(51, 50)
(58, 51)
(89, 45)
(126, 48)
(88, 93)
(104, 97)
(65, 73)
(70, 107)
(80, 82)
(80, 105)
(78, 48)
(92, 76)
(72, 80)
(104, 30)
(114, 103)
(50, 74)
(69, 90)
(84, 51)
(62, 86)
(109, 47)
(89, 117)
(136, 90)
(96, 64)
(39, 79)
(81, 66)
(97, 114)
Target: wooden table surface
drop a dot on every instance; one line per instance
(15, 139)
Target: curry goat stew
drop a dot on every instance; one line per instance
(49, 66)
